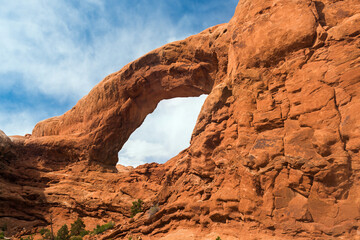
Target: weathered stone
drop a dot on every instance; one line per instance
(275, 147)
(6, 150)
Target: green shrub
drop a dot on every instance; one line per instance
(76, 238)
(63, 233)
(2, 236)
(27, 238)
(77, 232)
(218, 238)
(46, 234)
(136, 207)
(78, 228)
(100, 229)
(43, 231)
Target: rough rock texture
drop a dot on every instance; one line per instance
(275, 151)
(6, 151)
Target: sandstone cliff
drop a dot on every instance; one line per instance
(275, 151)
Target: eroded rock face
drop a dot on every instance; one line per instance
(275, 149)
(5, 146)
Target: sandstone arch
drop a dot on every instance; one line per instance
(99, 124)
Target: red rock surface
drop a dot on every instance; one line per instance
(274, 153)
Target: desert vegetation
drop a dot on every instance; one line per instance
(137, 207)
(77, 231)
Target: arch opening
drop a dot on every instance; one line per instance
(164, 133)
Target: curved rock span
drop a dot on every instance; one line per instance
(275, 151)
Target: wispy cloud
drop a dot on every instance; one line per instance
(64, 49)
(18, 123)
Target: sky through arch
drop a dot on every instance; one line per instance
(164, 133)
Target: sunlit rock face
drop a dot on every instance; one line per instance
(275, 150)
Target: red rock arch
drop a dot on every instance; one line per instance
(100, 123)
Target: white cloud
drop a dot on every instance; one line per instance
(164, 133)
(43, 40)
(37, 42)
(138, 150)
(17, 123)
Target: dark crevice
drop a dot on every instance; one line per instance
(319, 8)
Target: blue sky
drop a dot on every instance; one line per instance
(53, 52)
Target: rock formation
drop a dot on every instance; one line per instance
(275, 151)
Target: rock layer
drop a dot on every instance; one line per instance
(275, 151)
